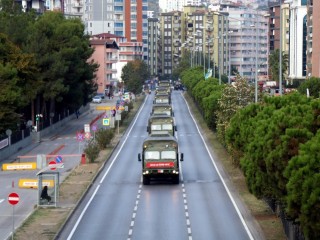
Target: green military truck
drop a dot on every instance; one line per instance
(162, 90)
(162, 109)
(161, 123)
(160, 158)
(162, 98)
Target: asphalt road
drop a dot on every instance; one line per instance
(202, 206)
(64, 140)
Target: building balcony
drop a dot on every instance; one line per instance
(111, 71)
(112, 60)
(77, 5)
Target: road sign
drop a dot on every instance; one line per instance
(52, 163)
(87, 135)
(105, 121)
(13, 198)
(80, 137)
(94, 128)
(87, 128)
(58, 159)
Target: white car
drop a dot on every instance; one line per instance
(97, 99)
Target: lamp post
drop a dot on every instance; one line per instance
(229, 57)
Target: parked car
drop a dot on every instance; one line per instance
(101, 95)
(97, 99)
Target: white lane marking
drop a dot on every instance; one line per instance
(82, 213)
(113, 160)
(185, 203)
(220, 176)
(1, 200)
(135, 209)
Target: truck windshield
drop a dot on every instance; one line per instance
(155, 155)
(168, 155)
(167, 127)
(152, 155)
(155, 127)
(162, 100)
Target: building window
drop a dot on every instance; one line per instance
(133, 16)
(119, 33)
(118, 8)
(118, 24)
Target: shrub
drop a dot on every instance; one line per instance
(92, 151)
(103, 137)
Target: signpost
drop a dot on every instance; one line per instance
(94, 128)
(58, 159)
(13, 199)
(52, 167)
(80, 138)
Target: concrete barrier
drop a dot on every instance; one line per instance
(19, 166)
(33, 183)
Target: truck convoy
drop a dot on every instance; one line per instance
(160, 153)
(160, 158)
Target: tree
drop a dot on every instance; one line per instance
(303, 199)
(62, 60)
(17, 83)
(233, 98)
(134, 74)
(313, 85)
(274, 64)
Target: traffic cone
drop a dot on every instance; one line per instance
(83, 158)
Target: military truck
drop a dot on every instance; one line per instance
(164, 84)
(160, 158)
(162, 98)
(161, 123)
(162, 90)
(162, 109)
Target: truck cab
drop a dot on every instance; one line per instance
(162, 109)
(160, 158)
(162, 99)
(160, 123)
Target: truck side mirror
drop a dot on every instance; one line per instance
(148, 129)
(175, 127)
(139, 157)
(181, 156)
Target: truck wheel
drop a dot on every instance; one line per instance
(145, 180)
(176, 179)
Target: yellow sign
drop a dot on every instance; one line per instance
(108, 108)
(19, 166)
(33, 183)
(104, 107)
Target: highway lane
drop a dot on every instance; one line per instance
(118, 206)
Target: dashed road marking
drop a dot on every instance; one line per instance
(1, 200)
(134, 214)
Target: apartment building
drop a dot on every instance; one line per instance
(313, 38)
(106, 54)
(298, 40)
(248, 41)
(153, 35)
